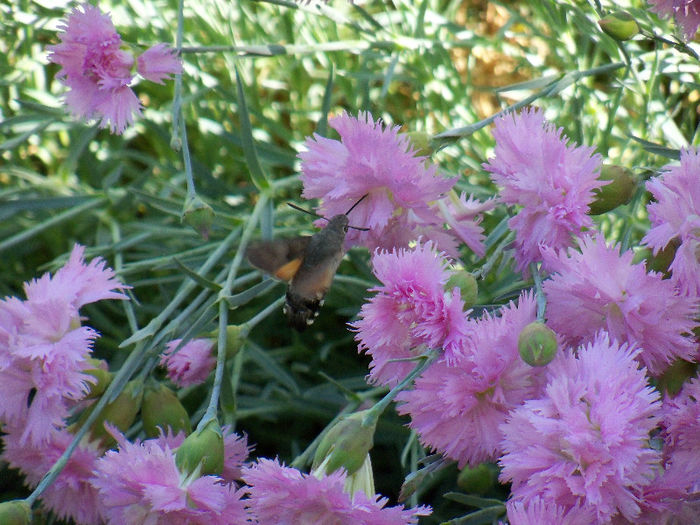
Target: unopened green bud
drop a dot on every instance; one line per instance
(103, 376)
(620, 25)
(162, 409)
(346, 444)
(620, 191)
(203, 450)
(234, 339)
(477, 480)
(537, 344)
(15, 512)
(198, 215)
(420, 141)
(467, 285)
(120, 413)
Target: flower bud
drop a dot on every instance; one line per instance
(346, 444)
(477, 480)
(468, 288)
(161, 408)
(103, 376)
(617, 193)
(198, 215)
(202, 451)
(121, 413)
(537, 344)
(234, 340)
(620, 25)
(420, 141)
(15, 512)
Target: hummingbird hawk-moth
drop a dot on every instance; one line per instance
(307, 263)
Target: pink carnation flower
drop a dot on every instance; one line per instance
(140, 483)
(44, 350)
(599, 288)
(585, 443)
(70, 496)
(191, 364)
(538, 512)
(411, 309)
(98, 72)
(374, 160)
(686, 13)
(281, 495)
(681, 422)
(676, 216)
(553, 182)
(457, 408)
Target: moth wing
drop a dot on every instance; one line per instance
(279, 257)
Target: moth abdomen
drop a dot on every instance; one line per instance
(301, 311)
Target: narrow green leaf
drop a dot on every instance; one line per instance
(204, 283)
(256, 172)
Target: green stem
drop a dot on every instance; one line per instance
(425, 361)
(223, 311)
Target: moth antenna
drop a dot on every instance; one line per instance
(358, 228)
(358, 202)
(299, 208)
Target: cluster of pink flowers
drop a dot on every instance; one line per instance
(404, 191)
(98, 71)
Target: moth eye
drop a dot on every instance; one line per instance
(345, 229)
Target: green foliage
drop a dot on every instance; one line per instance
(259, 77)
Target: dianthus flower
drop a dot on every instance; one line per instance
(676, 216)
(374, 160)
(553, 182)
(585, 443)
(538, 512)
(44, 350)
(98, 71)
(457, 408)
(282, 495)
(599, 288)
(410, 309)
(191, 364)
(140, 483)
(70, 496)
(685, 12)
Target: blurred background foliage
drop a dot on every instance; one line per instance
(428, 66)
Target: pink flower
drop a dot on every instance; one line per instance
(686, 13)
(44, 350)
(70, 496)
(236, 451)
(676, 216)
(410, 309)
(681, 422)
(377, 161)
(191, 364)
(598, 288)
(457, 408)
(98, 72)
(538, 512)
(552, 181)
(585, 443)
(158, 63)
(140, 483)
(463, 216)
(281, 495)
